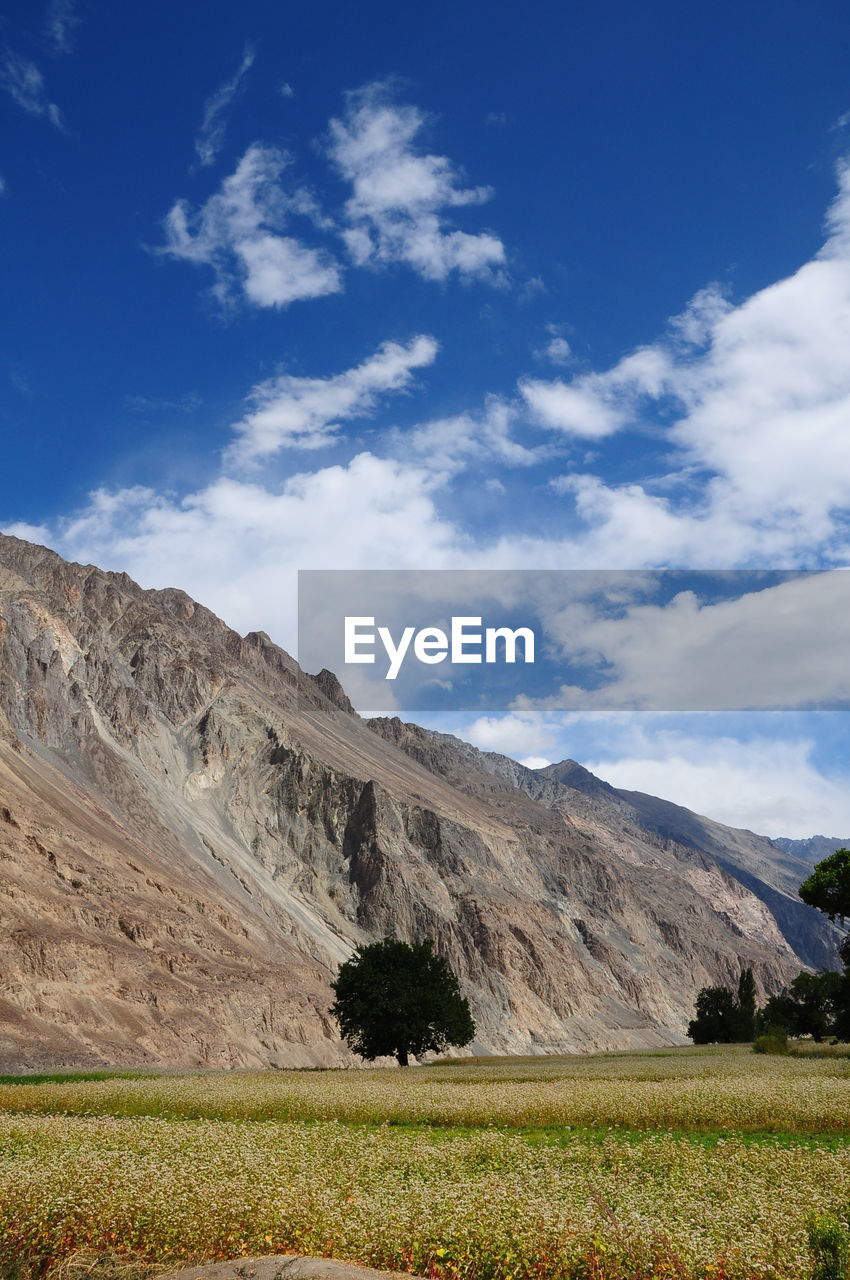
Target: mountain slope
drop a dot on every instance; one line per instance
(769, 870)
(772, 869)
(811, 849)
(194, 833)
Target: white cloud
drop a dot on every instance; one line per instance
(575, 409)
(773, 646)
(305, 413)
(766, 785)
(38, 533)
(60, 24)
(236, 546)
(211, 136)
(558, 351)
(695, 325)
(759, 472)
(237, 233)
(24, 83)
(512, 736)
(596, 405)
(750, 401)
(761, 448)
(397, 210)
(452, 444)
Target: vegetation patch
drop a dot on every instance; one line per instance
(406, 1170)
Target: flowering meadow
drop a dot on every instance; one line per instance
(689, 1089)
(557, 1169)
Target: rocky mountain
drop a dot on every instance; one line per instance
(772, 869)
(194, 834)
(813, 848)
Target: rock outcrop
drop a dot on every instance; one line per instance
(194, 834)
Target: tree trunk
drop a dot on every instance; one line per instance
(401, 1054)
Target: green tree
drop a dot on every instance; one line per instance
(809, 1006)
(716, 1020)
(747, 1007)
(828, 887)
(394, 999)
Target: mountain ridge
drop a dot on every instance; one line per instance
(194, 833)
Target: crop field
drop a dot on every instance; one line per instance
(692, 1164)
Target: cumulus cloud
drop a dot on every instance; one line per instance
(558, 351)
(305, 413)
(756, 471)
(596, 405)
(748, 404)
(237, 545)
(24, 83)
(210, 139)
(774, 643)
(237, 233)
(397, 212)
(41, 534)
(758, 399)
(577, 409)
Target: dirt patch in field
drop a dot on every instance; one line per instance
(283, 1267)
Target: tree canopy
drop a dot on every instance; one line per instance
(716, 1020)
(828, 887)
(394, 999)
(809, 1006)
(723, 1018)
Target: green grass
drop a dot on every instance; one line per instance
(75, 1077)
(727, 1090)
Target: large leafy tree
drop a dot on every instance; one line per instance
(717, 1018)
(828, 887)
(396, 999)
(809, 1007)
(723, 1018)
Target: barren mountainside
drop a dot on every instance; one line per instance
(194, 834)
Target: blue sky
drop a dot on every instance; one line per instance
(465, 286)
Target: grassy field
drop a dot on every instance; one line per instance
(686, 1163)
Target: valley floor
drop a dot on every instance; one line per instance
(690, 1163)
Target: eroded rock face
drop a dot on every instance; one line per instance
(194, 834)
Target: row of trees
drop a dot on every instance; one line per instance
(814, 1004)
